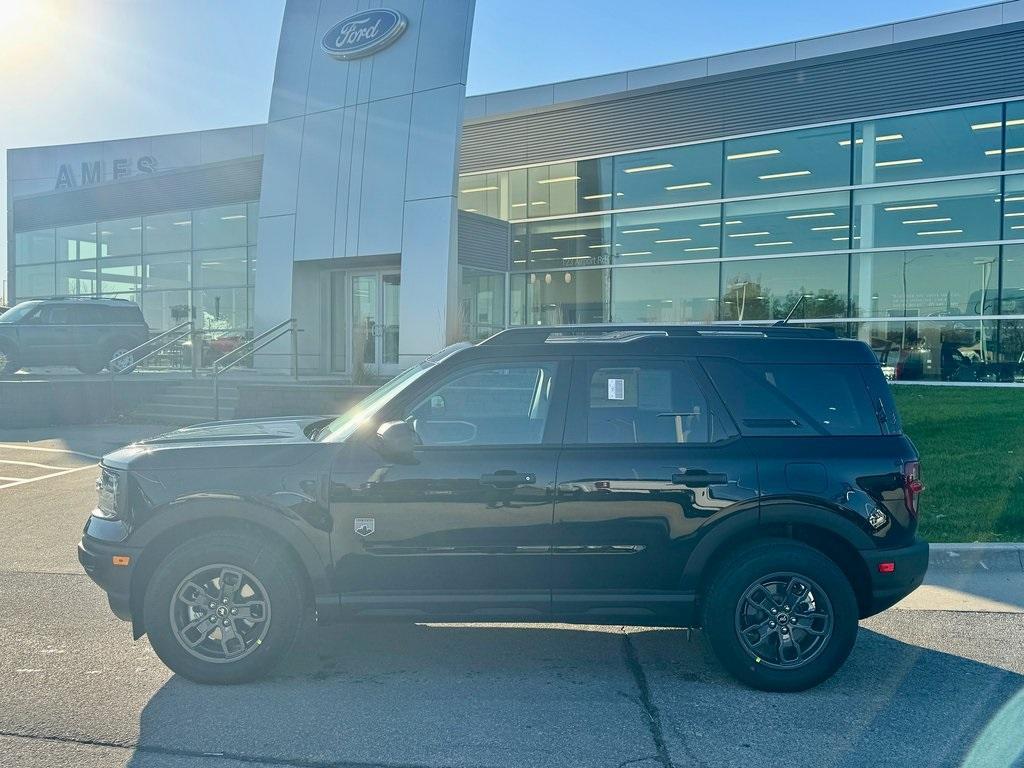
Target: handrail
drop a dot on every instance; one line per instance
(248, 349)
(114, 371)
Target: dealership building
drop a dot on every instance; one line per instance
(873, 180)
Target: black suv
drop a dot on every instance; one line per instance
(753, 482)
(85, 333)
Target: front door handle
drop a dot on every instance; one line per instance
(698, 478)
(508, 478)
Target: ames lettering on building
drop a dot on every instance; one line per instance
(364, 34)
(97, 171)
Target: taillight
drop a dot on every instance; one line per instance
(912, 485)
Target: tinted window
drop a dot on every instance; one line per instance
(55, 314)
(794, 399)
(488, 405)
(637, 401)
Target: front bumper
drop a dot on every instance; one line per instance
(96, 556)
(910, 565)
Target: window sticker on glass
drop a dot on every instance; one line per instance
(616, 389)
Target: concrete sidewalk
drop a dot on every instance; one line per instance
(971, 577)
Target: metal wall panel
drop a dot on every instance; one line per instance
(483, 241)
(956, 69)
(219, 184)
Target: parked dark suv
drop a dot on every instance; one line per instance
(753, 482)
(85, 333)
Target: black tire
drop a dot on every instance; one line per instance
(170, 608)
(8, 360)
(117, 349)
(759, 570)
(89, 366)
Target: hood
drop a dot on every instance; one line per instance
(223, 435)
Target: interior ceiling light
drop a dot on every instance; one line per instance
(637, 231)
(779, 242)
(479, 189)
(1007, 215)
(704, 248)
(539, 202)
(996, 124)
(602, 245)
(830, 228)
(601, 196)
(734, 221)
(914, 207)
(886, 137)
(643, 168)
(906, 161)
(518, 205)
(567, 237)
(927, 221)
(786, 175)
(821, 215)
(543, 250)
(839, 239)
(748, 234)
(636, 253)
(941, 232)
(674, 240)
(759, 153)
(692, 185)
(557, 179)
(710, 224)
(1018, 199)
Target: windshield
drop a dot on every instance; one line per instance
(342, 427)
(18, 311)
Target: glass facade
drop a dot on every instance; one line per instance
(175, 265)
(904, 231)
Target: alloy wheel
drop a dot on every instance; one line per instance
(784, 620)
(123, 363)
(220, 613)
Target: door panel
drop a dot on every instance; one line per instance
(650, 465)
(466, 524)
(46, 338)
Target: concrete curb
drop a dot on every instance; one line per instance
(977, 558)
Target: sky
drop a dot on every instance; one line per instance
(88, 70)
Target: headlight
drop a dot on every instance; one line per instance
(107, 489)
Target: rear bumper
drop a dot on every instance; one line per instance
(910, 565)
(96, 557)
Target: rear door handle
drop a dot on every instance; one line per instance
(508, 478)
(698, 478)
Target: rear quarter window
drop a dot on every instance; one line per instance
(794, 399)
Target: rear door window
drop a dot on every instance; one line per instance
(790, 399)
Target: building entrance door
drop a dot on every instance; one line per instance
(367, 335)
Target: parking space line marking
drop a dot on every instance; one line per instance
(30, 464)
(18, 447)
(23, 481)
(3, 479)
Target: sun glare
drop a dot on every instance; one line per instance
(28, 29)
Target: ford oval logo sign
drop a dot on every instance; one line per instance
(364, 33)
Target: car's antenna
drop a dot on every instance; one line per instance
(798, 303)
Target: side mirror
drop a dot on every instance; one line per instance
(397, 440)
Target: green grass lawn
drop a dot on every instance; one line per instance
(971, 441)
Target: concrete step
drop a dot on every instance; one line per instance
(183, 398)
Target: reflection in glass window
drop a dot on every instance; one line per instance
(34, 247)
(787, 225)
(568, 242)
(34, 282)
(560, 298)
(925, 283)
(667, 234)
(167, 232)
(923, 214)
(684, 293)
(167, 270)
(253, 217)
(575, 187)
(1011, 351)
(1014, 135)
(120, 238)
(165, 309)
(76, 278)
(676, 175)
(482, 301)
(1013, 208)
(220, 227)
(221, 267)
(945, 350)
(76, 242)
(785, 162)
(950, 142)
(1012, 298)
(221, 308)
(121, 275)
(767, 289)
(483, 193)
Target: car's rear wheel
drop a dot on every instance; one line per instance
(224, 608)
(780, 616)
(8, 361)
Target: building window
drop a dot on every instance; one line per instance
(121, 275)
(1013, 208)
(166, 271)
(120, 238)
(945, 350)
(814, 158)
(35, 247)
(924, 214)
(76, 242)
(77, 278)
(922, 283)
(34, 282)
(676, 175)
(951, 142)
(220, 227)
(167, 232)
(567, 242)
(561, 297)
(800, 223)
(767, 289)
(667, 234)
(224, 267)
(1014, 154)
(1012, 296)
(684, 293)
(482, 303)
(485, 193)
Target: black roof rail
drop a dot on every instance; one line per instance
(620, 334)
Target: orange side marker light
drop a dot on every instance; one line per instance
(120, 560)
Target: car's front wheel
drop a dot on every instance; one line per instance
(780, 616)
(8, 360)
(224, 608)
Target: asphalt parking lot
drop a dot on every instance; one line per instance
(924, 687)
